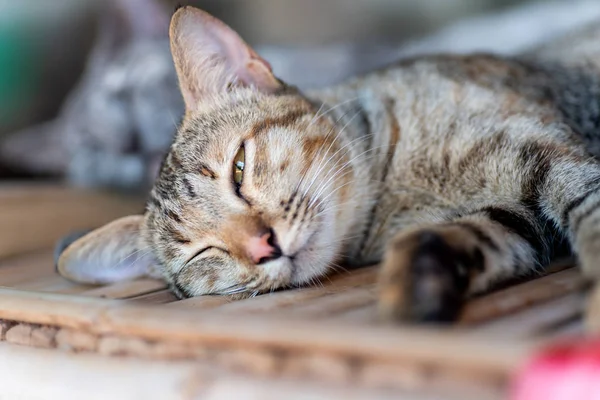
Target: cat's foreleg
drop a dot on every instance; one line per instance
(428, 272)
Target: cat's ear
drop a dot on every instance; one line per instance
(105, 255)
(210, 57)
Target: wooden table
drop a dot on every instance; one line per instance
(134, 340)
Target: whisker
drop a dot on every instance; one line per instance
(316, 116)
(336, 106)
(301, 181)
(334, 154)
(335, 168)
(320, 166)
(235, 290)
(338, 171)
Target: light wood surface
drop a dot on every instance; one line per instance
(319, 340)
(34, 217)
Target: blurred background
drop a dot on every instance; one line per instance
(58, 104)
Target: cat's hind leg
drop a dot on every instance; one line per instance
(428, 272)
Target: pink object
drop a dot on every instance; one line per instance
(259, 248)
(567, 371)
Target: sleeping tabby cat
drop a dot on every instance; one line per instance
(457, 172)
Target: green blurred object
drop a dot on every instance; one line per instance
(43, 45)
(18, 77)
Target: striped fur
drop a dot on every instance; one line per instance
(457, 172)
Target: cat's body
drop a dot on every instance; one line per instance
(445, 134)
(455, 171)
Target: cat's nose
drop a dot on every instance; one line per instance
(263, 248)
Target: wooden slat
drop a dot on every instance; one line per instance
(200, 303)
(366, 314)
(592, 311)
(129, 289)
(158, 297)
(569, 330)
(440, 347)
(538, 320)
(518, 297)
(337, 283)
(16, 270)
(333, 304)
(36, 272)
(51, 284)
(35, 217)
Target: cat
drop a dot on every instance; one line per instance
(455, 172)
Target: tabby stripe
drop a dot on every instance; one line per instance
(281, 121)
(174, 161)
(290, 202)
(595, 206)
(153, 200)
(206, 171)
(482, 236)
(171, 214)
(534, 159)
(179, 237)
(574, 204)
(189, 188)
(521, 226)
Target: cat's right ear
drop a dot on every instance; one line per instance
(210, 57)
(106, 255)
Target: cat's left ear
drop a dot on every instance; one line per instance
(106, 255)
(210, 57)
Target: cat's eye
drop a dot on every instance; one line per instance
(238, 166)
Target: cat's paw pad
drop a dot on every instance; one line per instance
(423, 279)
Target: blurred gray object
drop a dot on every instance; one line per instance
(116, 125)
(120, 117)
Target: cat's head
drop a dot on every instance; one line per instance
(254, 193)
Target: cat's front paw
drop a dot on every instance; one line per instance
(424, 278)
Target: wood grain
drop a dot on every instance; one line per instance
(25, 268)
(128, 289)
(537, 321)
(35, 217)
(523, 295)
(592, 311)
(336, 283)
(448, 348)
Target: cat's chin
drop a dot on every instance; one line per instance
(312, 261)
(308, 266)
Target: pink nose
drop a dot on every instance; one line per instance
(262, 248)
